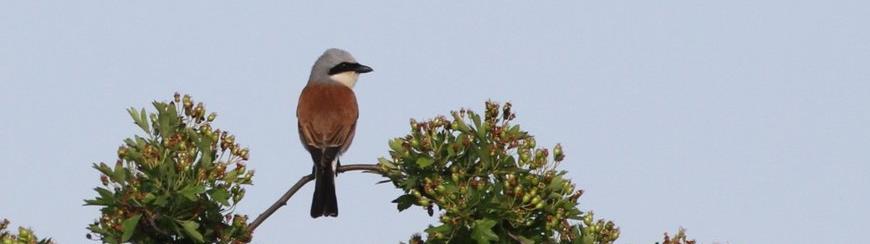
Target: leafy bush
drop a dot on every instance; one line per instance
(179, 183)
(25, 235)
(490, 182)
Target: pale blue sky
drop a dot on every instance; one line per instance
(743, 121)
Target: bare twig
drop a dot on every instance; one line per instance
(367, 168)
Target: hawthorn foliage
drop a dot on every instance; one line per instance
(178, 183)
(24, 236)
(490, 182)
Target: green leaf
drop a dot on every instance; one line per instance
(143, 117)
(396, 145)
(191, 192)
(139, 118)
(578, 235)
(119, 174)
(105, 193)
(475, 118)
(97, 202)
(134, 114)
(167, 119)
(130, 142)
(385, 162)
(159, 106)
(482, 231)
(149, 198)
(483, 153)
(514, 130)
(204, 144)
(161, 201)
(103, 168)
(231, 176)
(404, 201)
(444, 229)
(483, 129)
(129, 225)
(220, 195)
(190, 228)
(555, 183)
(140, 141)
(460, 123)
(424, 162)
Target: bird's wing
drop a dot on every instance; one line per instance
(327, 116)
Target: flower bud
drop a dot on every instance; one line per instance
(440, 188)
(199, 110)
(423, 202)
(238, 197)
(244, 153)
(558, 156)
(186, 100)
(536, 200)
(524, 156)
(24, 233)
(587, 219)
(415, 143)
(122, 151)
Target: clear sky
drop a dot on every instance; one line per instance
(742, 121)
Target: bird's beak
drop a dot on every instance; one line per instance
(363, 69)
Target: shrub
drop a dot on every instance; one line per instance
(24, 236)
(490, 182)
(179, 183)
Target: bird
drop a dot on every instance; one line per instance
(327, 113)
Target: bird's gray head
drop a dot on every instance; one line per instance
(336, 65)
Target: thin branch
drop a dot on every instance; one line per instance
(366, 168)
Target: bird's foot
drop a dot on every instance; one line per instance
(337, 165)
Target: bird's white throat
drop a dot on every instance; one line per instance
(346, 78)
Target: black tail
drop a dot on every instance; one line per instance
(324, 202)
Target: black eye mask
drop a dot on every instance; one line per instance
(347, 66)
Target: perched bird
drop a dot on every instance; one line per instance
(327, 114)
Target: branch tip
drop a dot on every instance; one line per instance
(365, 168)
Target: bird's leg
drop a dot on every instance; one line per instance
(337, 165)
